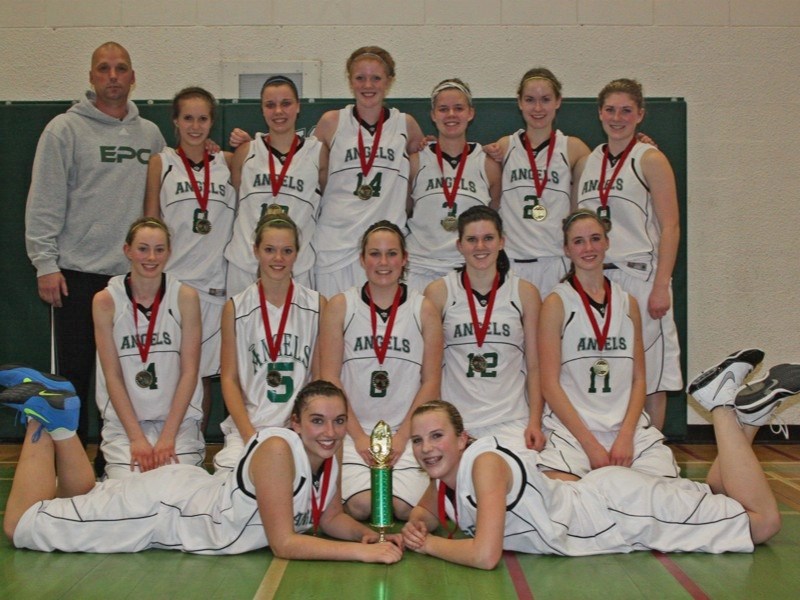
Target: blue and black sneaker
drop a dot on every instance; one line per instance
(11, 375)
(57, 411)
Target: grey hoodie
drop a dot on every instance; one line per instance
(87, 186)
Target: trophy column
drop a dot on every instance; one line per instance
(380, 447)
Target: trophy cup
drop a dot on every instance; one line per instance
(380, 446)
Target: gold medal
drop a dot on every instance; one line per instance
(273, 378)
(538, 212)
(604, 214)
(478, 362)
(601, 367)
(144, 379)
(202, 226)
(365, 191)
(380, 380)
(449, 223)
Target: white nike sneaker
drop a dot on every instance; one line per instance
(718, 385)
(756, 401)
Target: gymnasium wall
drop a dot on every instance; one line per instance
(25, 339)
(733, 61)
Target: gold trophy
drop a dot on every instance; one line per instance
(380, 447)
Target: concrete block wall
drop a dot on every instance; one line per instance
(734, 61)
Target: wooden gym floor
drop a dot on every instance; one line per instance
(772, 572)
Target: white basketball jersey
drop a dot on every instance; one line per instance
(224, 518)
(268, 405)
(635, 232)
(496, 394)
(344, 216)
(527, 238)
(298, 197)
(196, 258)
(600, 393)
(429, 244)
(402, 365)
(151, 403)
(542, 516)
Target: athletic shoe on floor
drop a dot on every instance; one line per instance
(56, 411)
(11, 375)
(756, 401)
(717, 386)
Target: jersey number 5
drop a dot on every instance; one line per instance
(285, 370)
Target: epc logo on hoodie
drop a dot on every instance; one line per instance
(116, 154)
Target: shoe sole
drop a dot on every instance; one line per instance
(15, 397)
(19, 396)
(752, 356)
(11, 375)
(781, 381)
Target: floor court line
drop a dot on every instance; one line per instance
(686, 450)
(517, 576)
(783, 453)
(784, 480)
(272, 579)
(695, 591)
(788, 500)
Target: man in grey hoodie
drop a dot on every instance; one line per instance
(87, 186)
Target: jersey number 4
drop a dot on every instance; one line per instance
(375, 184)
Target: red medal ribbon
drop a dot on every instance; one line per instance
(276, 181)
(144, 349)
(603, 189)
(316, 506)
(274, 347)
(202, 199)
(481, 329)
(366, 163)
(380, 349)
(601, 335)
(443, 513)
(540, 184)
(450, 195)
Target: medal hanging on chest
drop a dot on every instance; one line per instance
(450, 222)
(604, 187)
(478, 362)
(318, 504)
(601, 367)
(274, 376)
(200, 223)
(379, 379)
(145, 378)
(442, 493)
(538, 212)
(276, 180)
(365, 191)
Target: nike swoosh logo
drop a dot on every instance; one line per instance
(728, 377)
(45, 393)
(29, 412)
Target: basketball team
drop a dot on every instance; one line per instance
(506, 309)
